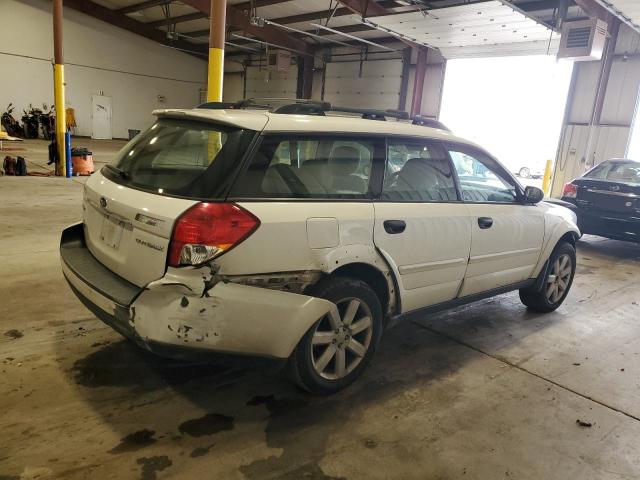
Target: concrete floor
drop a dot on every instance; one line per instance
(489, 391)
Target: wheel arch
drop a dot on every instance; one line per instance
(382, 283)
(569, 237)
(559, 235)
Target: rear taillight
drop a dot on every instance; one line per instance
(570, 190)
(207, 230)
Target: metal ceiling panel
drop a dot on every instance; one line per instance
(489, 23)
(628, 10)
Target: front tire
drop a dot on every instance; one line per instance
(336, 351)
(556, 284)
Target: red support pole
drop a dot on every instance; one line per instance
(418, 83)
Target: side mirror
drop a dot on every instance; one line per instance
(532, 195)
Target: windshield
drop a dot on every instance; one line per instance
(182, 158)
(623, 172)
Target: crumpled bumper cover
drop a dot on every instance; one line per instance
(190, 308)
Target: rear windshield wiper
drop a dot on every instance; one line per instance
(119, 171)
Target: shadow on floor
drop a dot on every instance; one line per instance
(121, 378)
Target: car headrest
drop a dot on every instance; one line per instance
(344, 160)
(418, 172)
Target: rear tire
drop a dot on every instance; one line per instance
(524, 172)
(335, 352)
(558, 278)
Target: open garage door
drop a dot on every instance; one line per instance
(370, 84)
(513, 106)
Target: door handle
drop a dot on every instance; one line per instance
(485, 222)
(394, 226)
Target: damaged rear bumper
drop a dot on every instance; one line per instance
(189, 309)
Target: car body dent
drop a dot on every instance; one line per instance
(228, 317)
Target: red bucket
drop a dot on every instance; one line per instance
(82, 164)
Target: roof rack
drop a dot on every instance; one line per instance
(300, 106)
(248, 103)
(320, 108)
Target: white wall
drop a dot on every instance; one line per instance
(583, 145)
(99, 58)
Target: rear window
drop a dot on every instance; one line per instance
(623, 172)
(181, 158)
(311, 167)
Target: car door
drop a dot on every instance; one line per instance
(421, 226)
(506, 235)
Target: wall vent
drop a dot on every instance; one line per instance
(583, 40)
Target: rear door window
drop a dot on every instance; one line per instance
(310, 167)
(418, 171)
(621, 172)
(182, 158)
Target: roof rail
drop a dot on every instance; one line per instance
(428, 122)
(373, 114)
(307, 108)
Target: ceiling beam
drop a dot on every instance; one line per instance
(136, 7)
(538, 5)
(239, 20)
(358, 27)
(174, 20)
(594, 9)
(381, 41)
(373, 9)
(340, 12)
(119, 20)
(366, 8)
(258, 4)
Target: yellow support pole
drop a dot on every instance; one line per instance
(217, 20)
(546, 179)
(216, 74)
(58, 87)
(61, 118)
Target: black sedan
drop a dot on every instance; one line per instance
(607, 200)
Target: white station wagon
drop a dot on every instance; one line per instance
(300, 233)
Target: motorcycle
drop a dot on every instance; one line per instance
(38, 123)
(10, 124)
(48, 122)
(31, 122)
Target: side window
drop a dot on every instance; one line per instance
(317, 167)
(480, 178)
(418, 171)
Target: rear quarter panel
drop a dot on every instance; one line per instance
(300, 235)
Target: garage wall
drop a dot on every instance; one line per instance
(582, 144)
(99, 58)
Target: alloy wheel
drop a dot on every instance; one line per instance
(340, 342)
(558, 279)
